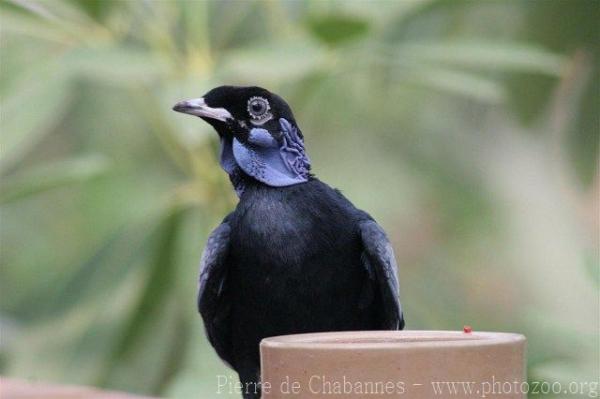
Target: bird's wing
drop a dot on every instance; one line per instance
(379, 260)
(213, 304)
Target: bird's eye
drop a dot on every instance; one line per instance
(258, 107)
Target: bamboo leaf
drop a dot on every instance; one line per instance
(15, 24)
(337, 29)
(159, 284)
(51, 176)
(287, 61)
(459, 83)
(101, 271)
(31, 110)
(495, 56)
(116, 65)
(61, 22)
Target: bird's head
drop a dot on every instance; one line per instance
(259, 135)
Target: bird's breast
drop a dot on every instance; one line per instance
(291, 227)
(295, 262)
(272, 232)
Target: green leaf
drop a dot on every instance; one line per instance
(59, 21)
(101, 271)
(120, 66)
(592, 266)
(287, 61)
(59, 11)
(31, 110)
(178, 345)
(335, 30)
(51, 176)
(159, 284)
(458, 83)
(495, 56)
(15, 24)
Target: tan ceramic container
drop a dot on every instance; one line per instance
(394, 364)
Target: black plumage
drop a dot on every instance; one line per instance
(289, 259)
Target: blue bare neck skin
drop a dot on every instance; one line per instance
(274, 162)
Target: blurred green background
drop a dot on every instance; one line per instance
(469, 129)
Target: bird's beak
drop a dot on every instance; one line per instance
(198, 107)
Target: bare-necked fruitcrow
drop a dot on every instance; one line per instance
(295, 256)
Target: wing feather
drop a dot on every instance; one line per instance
(380, 262)
(213, 303)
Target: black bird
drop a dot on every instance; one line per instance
(295, 256)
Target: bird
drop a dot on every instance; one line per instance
(295, 255)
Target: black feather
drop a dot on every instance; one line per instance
(300, 259)
(295, 256)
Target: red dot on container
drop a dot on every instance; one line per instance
(467, 329)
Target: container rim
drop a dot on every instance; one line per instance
(391, 339)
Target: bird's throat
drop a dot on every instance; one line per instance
(270, 162)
